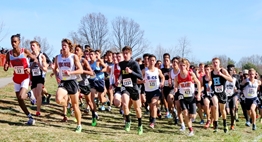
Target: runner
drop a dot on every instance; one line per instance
(17, 57)
(109, 92)
(231, 90)
(97, 82)
(185, 82)
(69, 67)
(130, 72)
(207, 93)
(250, 87)
(219, 77)
(151, 75)
(38, 71)
(200, 72)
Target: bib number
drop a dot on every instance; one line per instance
(127, 82)
(229, 92)
(19, 69)
(152, 84)
(166, 83)
(187, 93)
(219, 89)
(36, 72)
(251, 92)
(65, 76)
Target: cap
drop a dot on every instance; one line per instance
(245, 71)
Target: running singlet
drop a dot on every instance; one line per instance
(36, 70)
(230, 87)
(186, 85)
(82, 79)
(205, 84)
(20, 63)
(66, 64)
(151, 80)
(250, 91)
(107, 75)
(115, 74)
(165, 72)
(97, 70)
(218, 83)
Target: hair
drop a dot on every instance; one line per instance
(176, 58)
(91, 51)
(216, 58)
(17, 35)
(230, 66)
(97, 50)
(166, 54)
(207, 66)
(36, 42)
(79, 46)
(87, 46)
(109, 52)
(251, 70)
(151, 56)
(146, 55)
(127, 48)
(139, 59)
(71, 47)
(158, 61)
(201, 64)
(117, 53)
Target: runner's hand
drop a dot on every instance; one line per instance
(198, 97)
(27, 70)
(128, 70)
(6, 66)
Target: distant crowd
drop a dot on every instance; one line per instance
(3, 51)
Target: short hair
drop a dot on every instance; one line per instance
(230, 66)
(216, 58)
(146, 55)
(207, 66)
(251, 70)
(71, 47)
(151, 56)
(166, 54)
(201, 64)
(36, 42)
(176, 58)
(127, 48)
(97, 50)
(91, 51)
(138, 59)
(16, 35)
(109, 52)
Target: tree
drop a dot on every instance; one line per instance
(249, 66)
(2, 25)
(93, 30)
(45, 46)
(183, 47)
(126, 32)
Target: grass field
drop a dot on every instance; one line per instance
(110, 125)
(8, 73)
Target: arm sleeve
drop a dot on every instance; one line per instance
(137, 71)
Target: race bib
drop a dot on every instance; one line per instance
(187, 93)
(219, 89)
(251, 92)
(79, 78)
(64, 75)
(19, 69)
(229, 92)
(36, 72)
(152, 83)
(127, 82)
(166, 83)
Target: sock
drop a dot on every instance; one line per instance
(139, 121)
(150, 119)
(167, 110)
(215, 124)
(183, 124)
(93, 114)
(127, 118)
(153, 120)
(190, 129)
(30, 116)
(224, 122)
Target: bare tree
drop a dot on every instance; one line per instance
(45, 46)
(160, 51)
(126, 32)
(184, 47)
(2, 25)
(223, 60)
(93, 30)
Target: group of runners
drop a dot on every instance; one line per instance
(116, 79)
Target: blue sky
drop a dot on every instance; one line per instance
(223, 27)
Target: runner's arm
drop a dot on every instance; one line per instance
(137, 71)
(226, 75)
(88, 68)
(139, 81)
(7, 62)
(103, 65)
(199, 88)
(162, 77)
(44, 64)
(79, 68)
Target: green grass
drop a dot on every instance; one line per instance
(110, 125)
(8, 73)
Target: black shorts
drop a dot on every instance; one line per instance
(37, 80)
(222, 97)
(176, 95)
(166, 91)
(84, 89)
(231, 101)
(71, 86)
(150, 95)
(188, 103)
(142, 89)
(98, 85)
(131, 91)
(205, 96)
(251, 101)
(107, 83)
